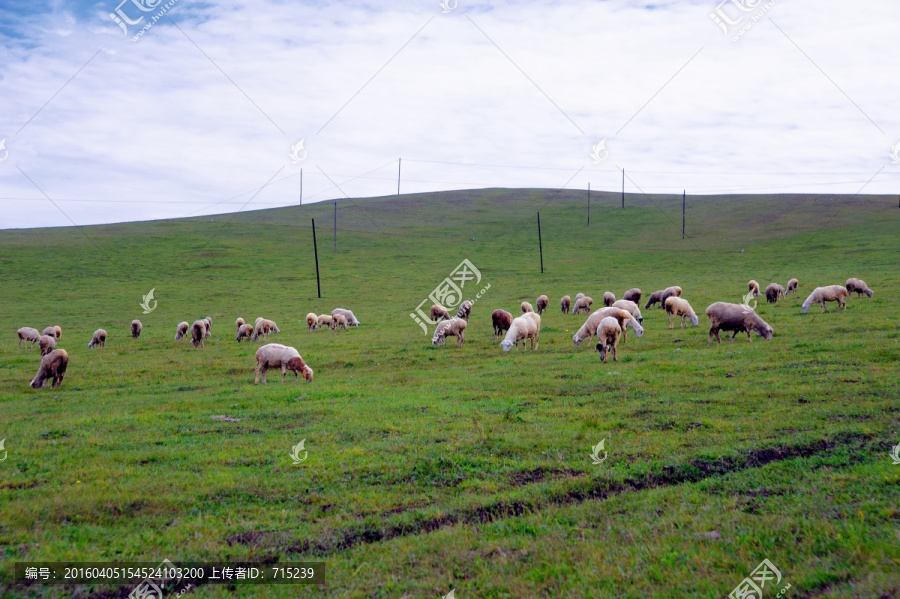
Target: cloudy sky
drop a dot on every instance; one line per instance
(106, 121)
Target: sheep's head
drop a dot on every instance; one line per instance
(602, 349)
(805, 308)
(506, 345)
(695, 320)
(869, 293)
(638, 329)
(37, 382)
(308, 374)
(577, 339)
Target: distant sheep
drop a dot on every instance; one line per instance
(735, 317)
(99, 338)
(208, 321)
(542, 302)
(589, 328)
(526, 307)
(325, 320)
(608, 337)
(654, 298)
(609, 299)
(28, 334)
(275, 355)
(502, 321)
(53, 331)
(753, 287)
(578, 296)
(674, 291)
(523, 328)
(632, 295)
(311, 321)
(439, 313)
(859, 287)
(198, 333)
(831, 293)
(454, 327)
(264, 327)
(53, 365)
(583, 304)
(136, 328)
(47, 343)
(339, 320)
(351, 319)
(181, 331)
(565, 303)
(631, 307)
(791, 287)
(239, 323)
(773, 292)
(678, 306)
(245, 331)
(465, 310)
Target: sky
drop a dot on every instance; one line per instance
(217, 106)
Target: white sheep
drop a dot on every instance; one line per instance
(583, 304)
(609, 299)
(589, 328)
(339, 321)
(465, 310)
(28, 334)
(180, 331)
(753, 287)
(439, 313)
(311, 321)
(542, 302)
(99, 338)
(859, 287)
(791, 287)
(527, 326)
(608, 337)
(454, 327)
(325, 320)
(239, 322)
(275, 355)
(735, 317)
(53, 365)
(245, 331)
(526, 307)
(47, 343)
(136, 328)
(630, 307)
(565, 303)
(264, 327)
(831, 293)
(668, 292)
(351, 319)
(53, 331)
(208, 321)
(678, 306)
(198, 333)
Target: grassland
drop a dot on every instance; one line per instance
(433, 469)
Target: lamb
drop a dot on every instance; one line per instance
(677, 306)
(667, 293)
(526, 307)
(632, 295)
(631, 308)
(339, 320)
(609, 299)
(465, 310)
(583, 304)
(791, 287)
(455, 327)
(820, 295)
(136, 328)
(859, 286)
(608, 337)
(245, 331)
(53, 331)
(773, 292)
(351, 319)
(753, 287)
(325, 320)
(99, 337)
(542, 302)
(502, 321)
(47, 343)
(53, 365)
(654, 298)
(311, 321)
(527, 326)
(735, 317)
(181, 331)
(275, 355)
(589, 328)
(28, 334)
(198, 333)
(439, 313)
(565, 303)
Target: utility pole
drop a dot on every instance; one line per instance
(316, 250)
(540, 243)
(589, 204)
(399, 164)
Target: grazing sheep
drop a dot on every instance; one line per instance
(136, 328)
(678, 306)
(351, 319)
(632, 295)
(578, 296)
(339, 320)
(502, 321)
(753, 287)
(263, 328)
(53, 365)
(455, 327)
(325, 320)
(735, 317)
(198, 333)
(53, 331)
(654, 298)
(583, 304)
(47, 343)
(542, 302)
(28, 334)
(565, 303)
(239, 323)
(526, 307)
(99, 337)
(275, 355)
(773, 292)
(791, 287)
(589, 328)
(859, 286)
(465, 310)
(667, 293)
(181, 331)
(208, 321)
(609, 299)
(631, 308)
(831, 293)
(527, 326)
(439, 313)
(311, 321)
(245, 331)
(608, 337)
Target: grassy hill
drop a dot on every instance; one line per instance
(431, 469)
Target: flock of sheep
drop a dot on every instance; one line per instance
(608, 324)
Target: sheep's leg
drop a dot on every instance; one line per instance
(283, 372)
(615, 348)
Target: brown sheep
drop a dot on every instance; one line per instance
(820, 295)
(136, 328)
(198, 333)
(674, 291)
(53, 331)
(239, 322)
(565, 303)
(654, 298)
(541, 303)
(47, 343)
(502, 321)
(773, 292)
(526, 307)
(245, 331)
(53, 365)
(738, 318)
(791, 287)
(583, 304)
(439, 313)
(859, 287)
(609, 299)
(633, 295)
(311, 321)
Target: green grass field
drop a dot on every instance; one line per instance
(431, 469)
